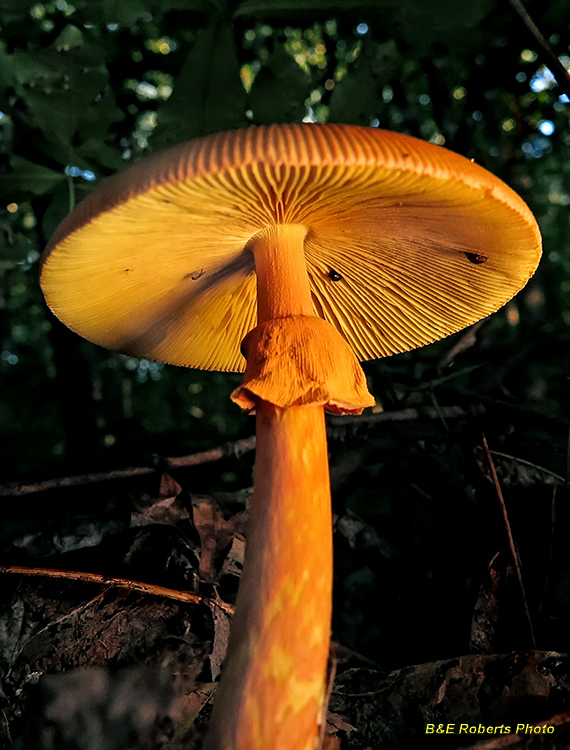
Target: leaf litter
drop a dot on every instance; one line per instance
(88, 665)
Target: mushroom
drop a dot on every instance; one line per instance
(312, 246)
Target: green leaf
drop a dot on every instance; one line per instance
(128, 12)
(21, 5)
(52, 114)
(13, 10)
(208, 95)
(279, 90)
(27, 179)
(57, 210)
(14, 248)
(58, 85)
(125, 12)
(385, 60)
(294, 9)
(448, 21)
(31, 69)
(94, 151)
(355, 99)
(70, 38)
(201, 6)
(94, 126)
(417, 15)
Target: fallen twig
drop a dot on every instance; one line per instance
(404, 415)
(96, 578)
(550, 57)
(513, 549)
(237, 448)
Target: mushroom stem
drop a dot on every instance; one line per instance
(272, 692)
(282, 282)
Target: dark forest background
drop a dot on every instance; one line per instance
(88, 86)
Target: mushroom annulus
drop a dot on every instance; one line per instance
(290, 252)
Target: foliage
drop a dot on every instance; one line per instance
(88, 87)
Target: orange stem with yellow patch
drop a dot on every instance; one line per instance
(272, 691)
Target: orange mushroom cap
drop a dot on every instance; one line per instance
(406, 242)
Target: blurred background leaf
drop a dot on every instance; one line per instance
(196, 106)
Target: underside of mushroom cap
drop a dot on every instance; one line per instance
(406, 243)
(301, 361)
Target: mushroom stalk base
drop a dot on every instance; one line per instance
(272, 691)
